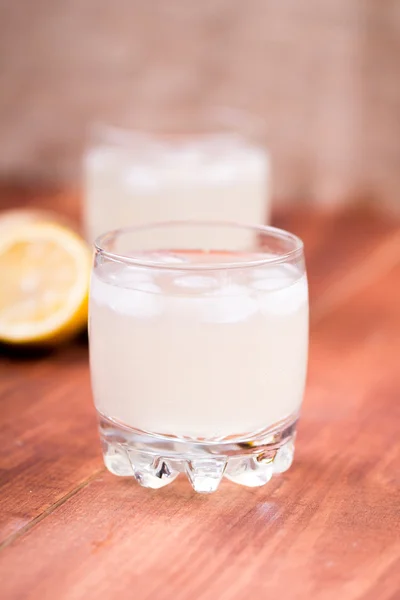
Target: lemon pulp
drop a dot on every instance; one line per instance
(44, 276)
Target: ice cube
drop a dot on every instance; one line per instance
(196, 282)
(143, 179)
(285, 300)
(133, 278)
(142, 302)
(270, 284)
(229, 304)
(275, 273)
(100, 291)
(126, 276)
(220, 174)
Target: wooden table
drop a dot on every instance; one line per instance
(329, 528)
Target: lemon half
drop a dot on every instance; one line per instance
(44, 280)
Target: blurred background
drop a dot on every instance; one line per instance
(323, 75)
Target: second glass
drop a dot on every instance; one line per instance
(198, 351)
(211, 166)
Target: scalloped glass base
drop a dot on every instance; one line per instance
(156, 460)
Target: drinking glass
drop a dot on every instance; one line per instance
(209, 166)
(198, 351)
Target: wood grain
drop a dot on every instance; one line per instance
(48, 434)
(327, 529)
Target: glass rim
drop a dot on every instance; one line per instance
(266, 230)
(219, 120)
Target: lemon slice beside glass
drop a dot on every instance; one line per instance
(44, 280)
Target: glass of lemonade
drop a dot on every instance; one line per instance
(210, 166)
(198, 351)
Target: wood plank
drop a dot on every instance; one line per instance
(328, 528)
(47, 431)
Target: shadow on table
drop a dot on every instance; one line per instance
(78, 346)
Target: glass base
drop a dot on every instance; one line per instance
(156, 460)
